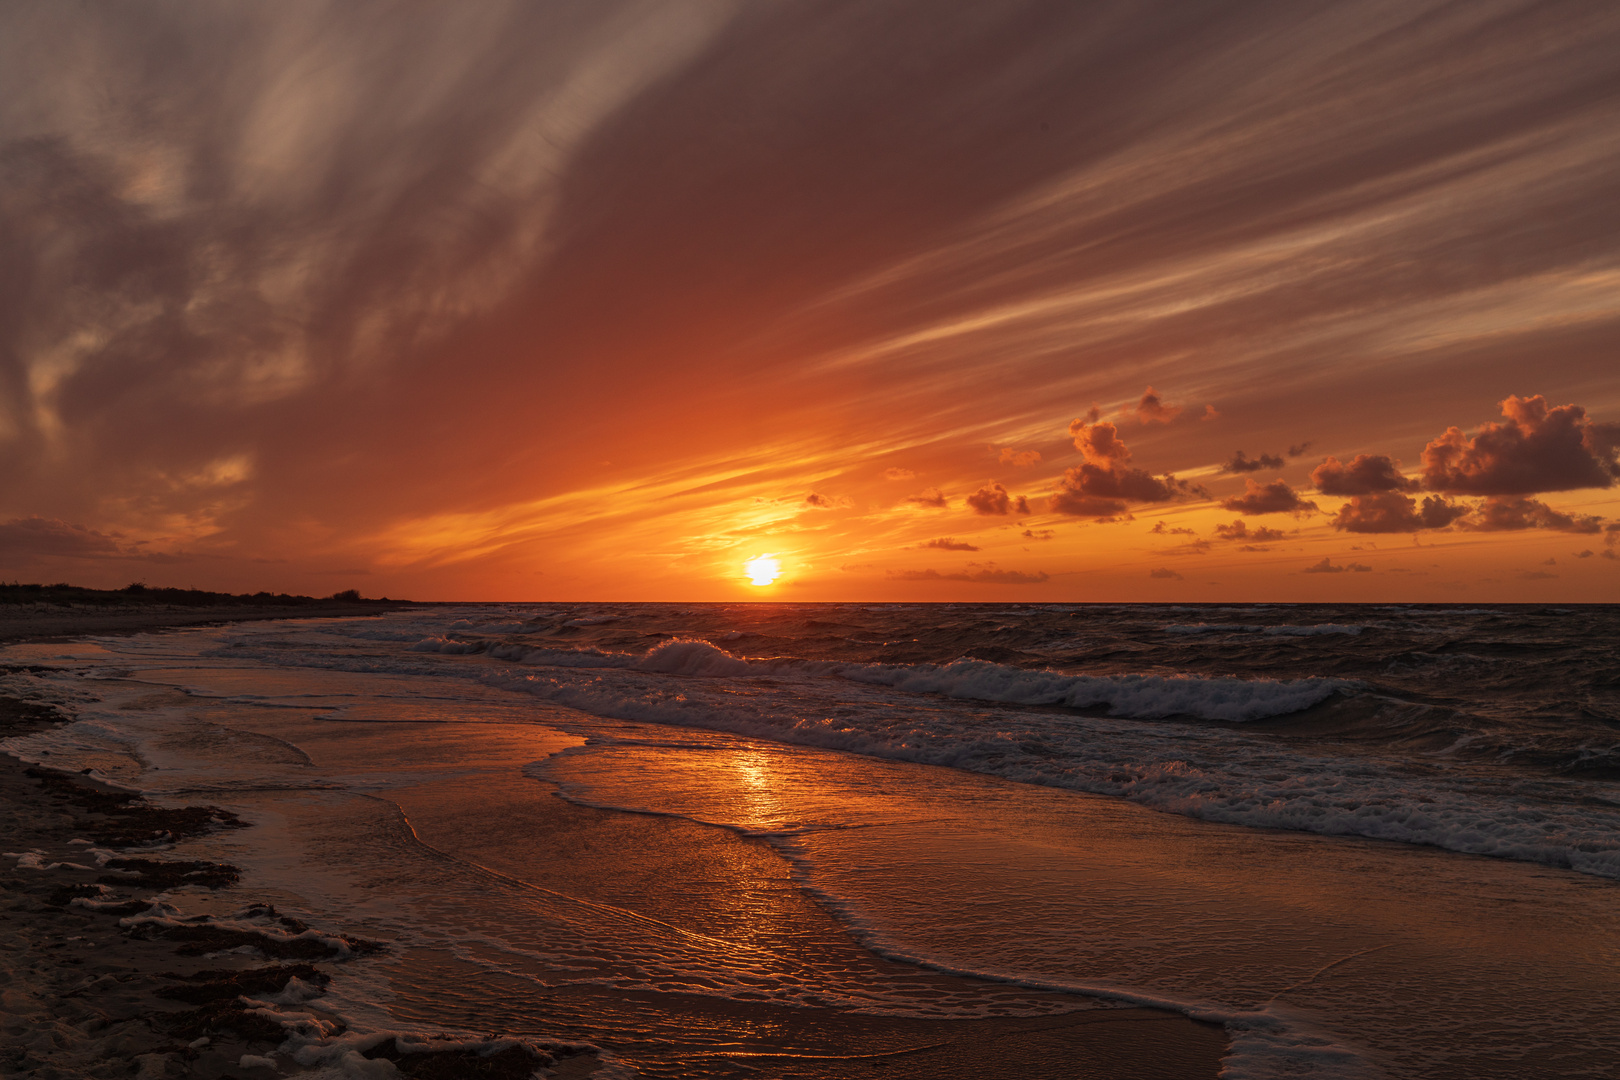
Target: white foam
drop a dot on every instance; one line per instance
(31, 860)
(164, 914)
(1136, 696)
(448, 645)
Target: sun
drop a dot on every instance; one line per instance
(762, 570)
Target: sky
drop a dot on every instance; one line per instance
(922, 301)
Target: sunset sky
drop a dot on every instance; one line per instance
(924, 301)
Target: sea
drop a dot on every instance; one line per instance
(1367, 841)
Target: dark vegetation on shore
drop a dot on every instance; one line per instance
(140, 595)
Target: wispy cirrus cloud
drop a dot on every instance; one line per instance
(978, 574)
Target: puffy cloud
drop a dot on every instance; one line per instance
(898, 474)
(1273, 498)
(1393, 512)
(1160, 530)
(1165, 572)
(1098, 440)
(1106, 483)
(1242, 463)
(38, 536)
(1367, 474)
(1039, 534)
(816, 501)
(947, 543)
(1586, 554)
(1326, 566)
(1019, 459)
(979, 573)
(1299, 449)
(932, 497)
(1239, 530)
(1210, 413)
(1152, 409)
(1507, 514)
(992, 500)
(1535, 449)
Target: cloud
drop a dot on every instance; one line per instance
(1019, 459)
(363, 241)
(1586, 554)
(1536, 449)
(1152, 410)
(1165, 572)
(993, 500)
(1191, 547)
(1393, 512)
(979, 573)
(38, 536)
(1160, 530)
(817, 501)
(1507, 514)
(1106, 483)
(1367, 474)
(1239, 530)
(1326, 566)
(1273, 498)
(1299, 449)
(932, 497)
(898, 474)
(947, 543)
(1210, 413)
(1039, 534)
(1241, 463)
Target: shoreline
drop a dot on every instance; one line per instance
(49, 623)
(104, 981)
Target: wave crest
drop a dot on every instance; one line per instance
(1143, 697)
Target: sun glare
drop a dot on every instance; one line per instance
(763, 570)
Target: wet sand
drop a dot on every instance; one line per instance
(91, 990)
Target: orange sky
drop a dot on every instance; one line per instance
(928, 301)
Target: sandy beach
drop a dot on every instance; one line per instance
(51, 622)
(101, 979)
(127, 955)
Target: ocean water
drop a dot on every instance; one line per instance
(1369, 841)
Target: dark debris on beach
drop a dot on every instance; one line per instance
(515, 1062)
(122, 819)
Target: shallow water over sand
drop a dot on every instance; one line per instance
(696, 895)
